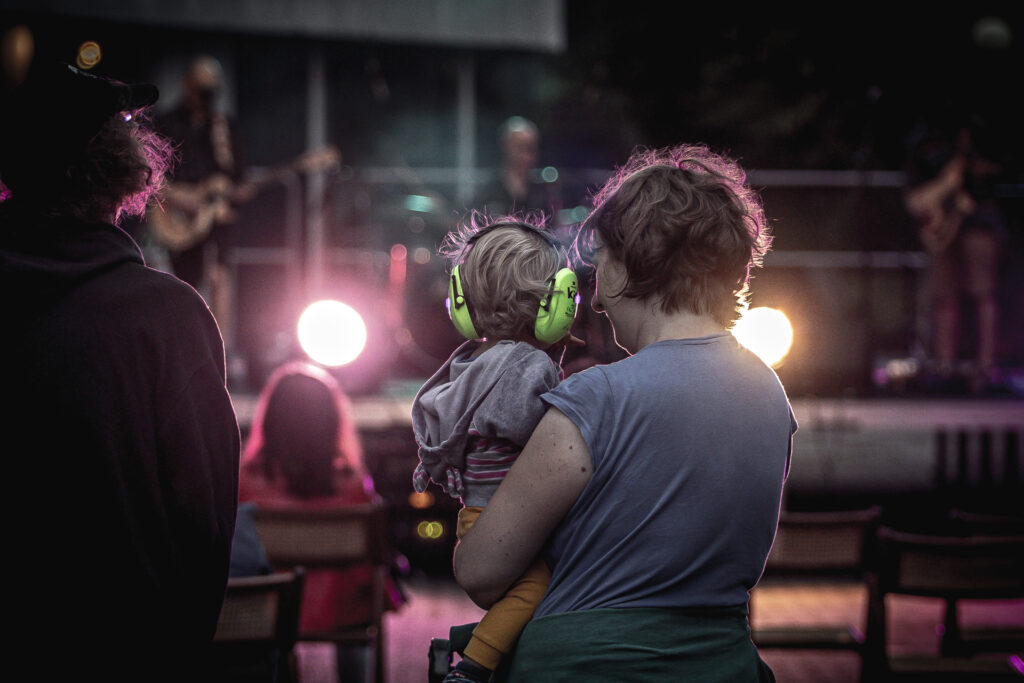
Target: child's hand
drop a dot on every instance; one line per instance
(572, 340)
(453, 486)
(565, 342)
(420, 478)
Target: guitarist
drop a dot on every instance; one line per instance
(207, 178)
(950, 196)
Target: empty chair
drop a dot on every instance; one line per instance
(257, 629)
(947, 567)
(336, 539)
(958, 639)
(818, 545)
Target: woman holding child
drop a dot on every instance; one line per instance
(652, 485)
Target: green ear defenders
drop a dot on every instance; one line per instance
(458, 307)
(555, 313)
(558, 307)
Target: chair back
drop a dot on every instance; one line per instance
(823, 543)
(335, 539)
(951, 568)
(258, 628)
(971, 523)
(809, 546)
(262, 609)
(977, 567)
(330, 538)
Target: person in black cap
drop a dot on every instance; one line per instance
(120, 438)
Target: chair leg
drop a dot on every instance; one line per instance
(440, 659)
(874, 662)
(952, 641)
(289, 670)
(378, 658)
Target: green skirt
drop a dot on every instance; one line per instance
(639, 644)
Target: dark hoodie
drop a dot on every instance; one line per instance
(121, 449)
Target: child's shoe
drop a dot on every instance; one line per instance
(468, 672)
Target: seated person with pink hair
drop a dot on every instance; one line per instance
(303, 452)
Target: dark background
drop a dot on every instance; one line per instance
(821, 91)
(832, 95)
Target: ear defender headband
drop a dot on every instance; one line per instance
(555, 312)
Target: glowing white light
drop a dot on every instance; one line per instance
(331, 333)
(766, 332)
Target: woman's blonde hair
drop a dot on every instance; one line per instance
(505, 266)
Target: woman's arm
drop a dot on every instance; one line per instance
(542, 485)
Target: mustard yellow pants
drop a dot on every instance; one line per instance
(499, 630)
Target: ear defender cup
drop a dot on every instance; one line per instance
(458, 307)
(558, 308)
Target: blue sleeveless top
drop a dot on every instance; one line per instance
(690, 441)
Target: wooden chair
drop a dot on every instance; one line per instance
(947, 567)
(258, 627)
(336, 539)
(958, 640)
(810, 546)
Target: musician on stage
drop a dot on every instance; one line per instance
(950, 195)
(207, 185)
(515, 189)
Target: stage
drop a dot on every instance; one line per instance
(843, 446)
(377, 412)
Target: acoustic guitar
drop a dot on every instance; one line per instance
(187, 212)
(940, 205)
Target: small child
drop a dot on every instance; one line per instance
(512, 295)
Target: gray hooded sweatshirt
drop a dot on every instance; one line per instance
(473, 417)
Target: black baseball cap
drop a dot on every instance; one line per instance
(52, 116)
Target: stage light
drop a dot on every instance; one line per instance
(579, 214)
(766, 332)
(418, 202)
(430, 530)
(992, 33)
(17, 47)
(331, 333)
(89, 55)
(421, 500)
(397, 270)
(573, 216)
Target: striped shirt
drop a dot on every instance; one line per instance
(488, 460)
